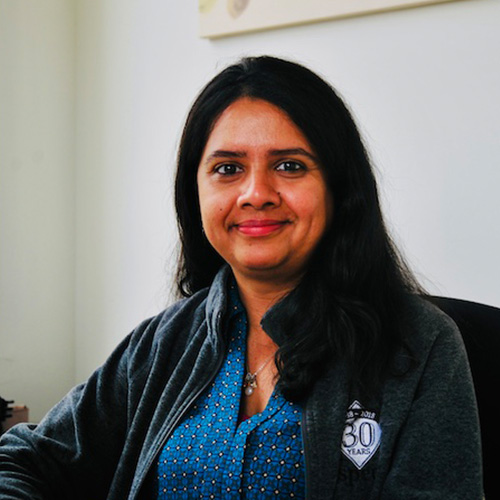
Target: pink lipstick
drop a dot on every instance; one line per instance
(260, 227)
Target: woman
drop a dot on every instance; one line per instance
(301, 363)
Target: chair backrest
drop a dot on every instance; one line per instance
(479, 325)
(5, 412)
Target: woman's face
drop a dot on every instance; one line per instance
(263, 197)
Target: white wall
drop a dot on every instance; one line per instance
(37, 275)
(424, 84)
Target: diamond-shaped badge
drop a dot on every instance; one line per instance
(362, 435)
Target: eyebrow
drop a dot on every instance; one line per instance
(293, 152)
(223, 153)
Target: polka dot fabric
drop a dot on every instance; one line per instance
(210, 456)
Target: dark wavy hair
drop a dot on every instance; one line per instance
(356, 280)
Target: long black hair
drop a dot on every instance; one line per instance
(356, 279)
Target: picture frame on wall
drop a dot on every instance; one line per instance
(230, 17)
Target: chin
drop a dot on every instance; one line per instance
(268, 270)
(260, 263)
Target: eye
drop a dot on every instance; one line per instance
(227, 169)
(290, 166)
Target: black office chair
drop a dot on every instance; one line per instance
(479, 325)
(5, 412)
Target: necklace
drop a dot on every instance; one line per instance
(250, 382)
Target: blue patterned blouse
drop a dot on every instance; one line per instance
(213, 454)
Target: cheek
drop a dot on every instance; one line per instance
(315, 209)
(325, 204)
(329, 210)
(214, 211)
(206, 213)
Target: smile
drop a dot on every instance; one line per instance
(261, 227)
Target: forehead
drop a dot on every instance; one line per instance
(255, 123)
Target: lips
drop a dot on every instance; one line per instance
(260, 227)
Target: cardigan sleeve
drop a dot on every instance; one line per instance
(77, 443)
(437, 453)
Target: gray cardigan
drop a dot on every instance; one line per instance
(418, 439)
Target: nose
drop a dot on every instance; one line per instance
(259, 191)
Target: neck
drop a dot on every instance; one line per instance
(258, 296)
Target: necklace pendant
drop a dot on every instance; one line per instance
(250, 383)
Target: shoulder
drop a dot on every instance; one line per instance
(429, 415)
(434, 343)
(181, 319)
(424, 324)
(420, 312)
(183, 323)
